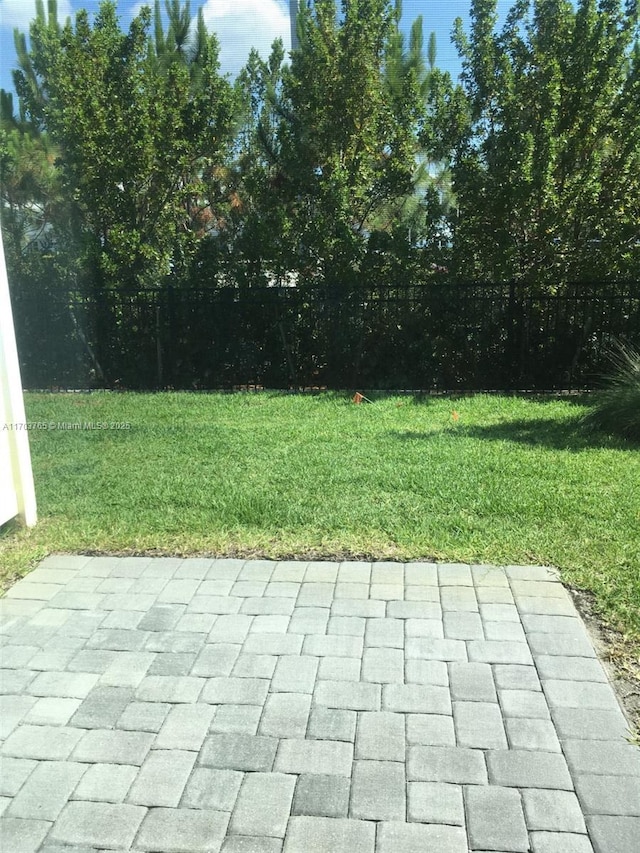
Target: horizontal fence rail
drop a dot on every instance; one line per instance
(428, 336)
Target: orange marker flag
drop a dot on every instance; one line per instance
(360, 398)
(455, 416)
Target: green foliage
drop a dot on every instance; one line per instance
(338, 144)
(138, 124)
(30, 190)
(617, 405)
(546, 152)
(132, 159)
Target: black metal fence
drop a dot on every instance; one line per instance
(436, 335)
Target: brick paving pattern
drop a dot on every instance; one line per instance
(230, 706)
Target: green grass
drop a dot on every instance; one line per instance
(512, 481)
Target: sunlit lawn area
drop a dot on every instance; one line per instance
(505, 480)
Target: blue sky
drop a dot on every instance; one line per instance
(241, 24)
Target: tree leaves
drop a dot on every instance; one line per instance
(139, 161)
(541, 157)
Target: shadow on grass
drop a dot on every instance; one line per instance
(10, 528)
(568, 435)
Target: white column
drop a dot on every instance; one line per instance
(19, 477)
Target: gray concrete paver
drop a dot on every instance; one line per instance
(495, 820)
(561, 693)
(430, 730)
(416, 699)
(240, 706)
(446, 764)
(570, 668)
(385, 632)
(479, 725)
(351, 695)
(107, 783)
(560, 842)
(289, 570)
(285, 715)
(590, 724)
(182, 830)
(425, 628)
(170, 688)
(381, 736)
(329, 835)
(173, 663)
(162, 778)
(332, 724)
(383, 665)
(53, 743)
(472, 682)
(226, 751)
(22, 836)
(553, 811)
(144, 716)
(602, 757)
(14, 709)
(339, 669)
(295, 674)
(397, 837)
(378, 790)
(314, 756)
(524, 703)
(216, 659)
(98, 824)
(14, 772)
(185, 727)
(236, 719)
(435, 802)
(235, 691)
(263, 805)
(614, 795)
(614, 834)
(47, 790)
(426, 672)
(113, 747)
(212, 789)
(535, 734)
(102, 707)
(321, 796)
(525, 769)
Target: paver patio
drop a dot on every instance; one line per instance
(290, 707)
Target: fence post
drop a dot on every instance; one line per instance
(169, 363)
(158, 347)
(512, 349)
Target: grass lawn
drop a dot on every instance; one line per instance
(510, 481)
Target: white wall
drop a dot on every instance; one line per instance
(17, 495)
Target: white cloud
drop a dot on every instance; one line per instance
(20, 13)
(243, 24)
(135, 10)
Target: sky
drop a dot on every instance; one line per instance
(241, 25)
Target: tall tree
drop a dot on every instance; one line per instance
(418, 217)
(135, 134)
(546, 145)
(344, 143)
